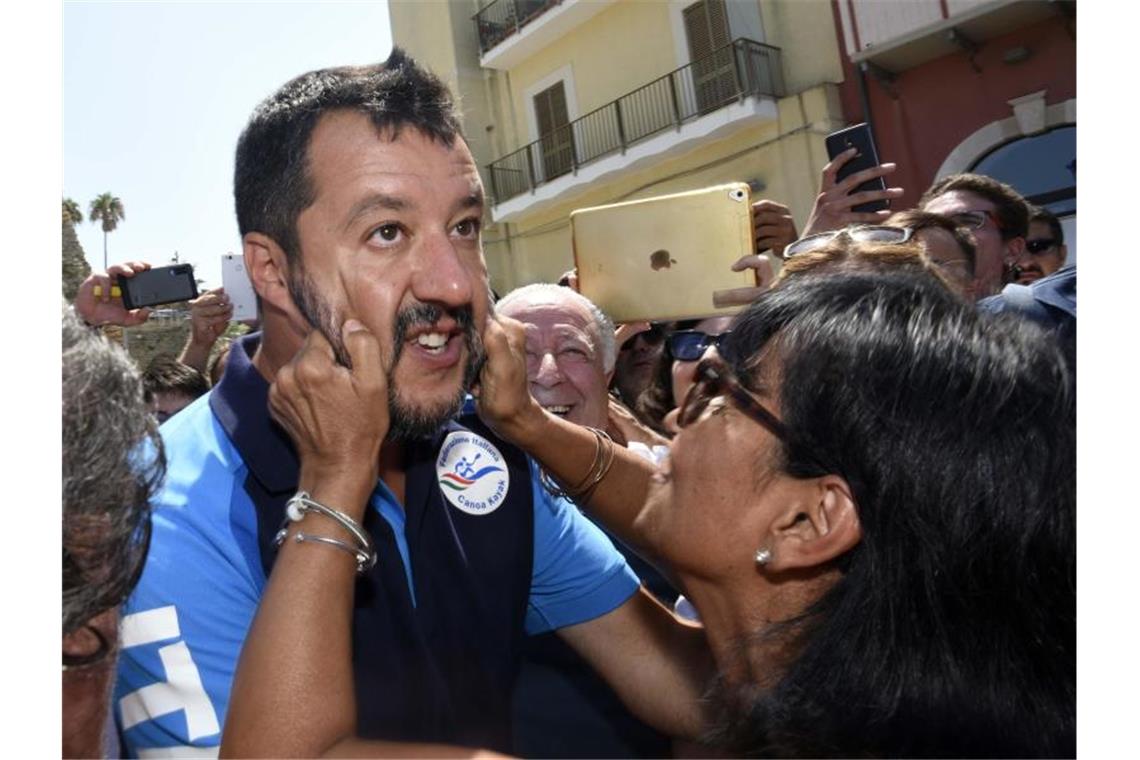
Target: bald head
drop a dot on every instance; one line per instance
(570, 350)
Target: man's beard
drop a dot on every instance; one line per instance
(406, 422)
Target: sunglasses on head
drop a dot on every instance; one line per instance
(690, 345)
(861, 234)
(1041, 245)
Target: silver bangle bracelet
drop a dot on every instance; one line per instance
(363, 561)
(301, 504)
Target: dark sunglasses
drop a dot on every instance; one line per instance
(715, 378)
(1041, 245)
(690, 345)
(652, 337)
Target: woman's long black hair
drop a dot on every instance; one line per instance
(952, 631)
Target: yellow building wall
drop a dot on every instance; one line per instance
(622, 48)
(805, 32)
(786, 155)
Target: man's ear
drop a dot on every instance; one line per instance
(268, 269)
(1014, 248)
(819, 527)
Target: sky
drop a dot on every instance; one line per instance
(155, 96)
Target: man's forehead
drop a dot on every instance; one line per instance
(956, 201)
(563, 314)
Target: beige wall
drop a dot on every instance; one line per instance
(622, 48)
(786, 154)
(805, 32)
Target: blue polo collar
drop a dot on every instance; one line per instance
(241, 404)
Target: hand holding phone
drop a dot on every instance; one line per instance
(153, 287)
(851, 187)
(99, 302)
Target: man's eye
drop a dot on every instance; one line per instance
(389, 233)
(467, 228)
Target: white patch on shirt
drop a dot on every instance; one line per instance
(472, 474)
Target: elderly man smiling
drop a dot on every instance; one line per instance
(561, 708)
(570, 350)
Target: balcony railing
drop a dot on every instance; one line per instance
(502, 18)
(728, 74)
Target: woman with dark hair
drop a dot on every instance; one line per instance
(871, 502)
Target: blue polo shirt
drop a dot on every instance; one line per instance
(184, 625)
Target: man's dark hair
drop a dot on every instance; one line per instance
(1010, 208)
(272, 182)
(1038, 214)
(165, 374)
(112, 463)
(951, 630)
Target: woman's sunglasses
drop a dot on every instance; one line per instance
(690, 345)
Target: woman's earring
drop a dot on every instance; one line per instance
(763, 557)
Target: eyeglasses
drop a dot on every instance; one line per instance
(975, 220)
(689, 345)
(862, 234)
(1040, 246)
(714, 378)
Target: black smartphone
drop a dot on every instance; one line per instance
(858, 137)
(158, 286)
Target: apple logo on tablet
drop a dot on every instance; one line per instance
(660, 260)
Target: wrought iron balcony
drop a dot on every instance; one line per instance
(728, 75)
(502, 18)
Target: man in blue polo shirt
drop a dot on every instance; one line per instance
(357, 198)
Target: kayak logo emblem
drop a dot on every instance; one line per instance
(472, 473)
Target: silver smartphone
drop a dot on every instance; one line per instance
(236, 282)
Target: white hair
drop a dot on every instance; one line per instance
(546, 290)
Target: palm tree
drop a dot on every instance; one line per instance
(108, 209)
(71, 211)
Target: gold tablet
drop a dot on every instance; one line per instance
(663, 258)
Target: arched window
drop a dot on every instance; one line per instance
(1043, 168)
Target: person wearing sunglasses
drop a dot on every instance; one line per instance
(1045, 251)
(996, 215)
(673, 372)
(106, 521)
(636, 358)
(843, 464)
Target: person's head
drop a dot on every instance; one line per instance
(357, 198)
(948, 246)
(859, 249)
(170, 386)
(635, 362)
(1045, 250)
(570, 350)
(106, 519)
(907, 467)
(993, 211)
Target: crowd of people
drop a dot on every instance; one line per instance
(403, 518)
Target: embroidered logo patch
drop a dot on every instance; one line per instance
(472, 474)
